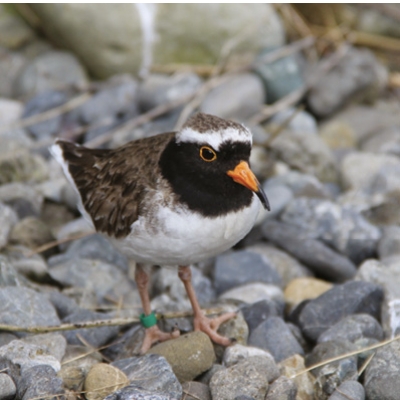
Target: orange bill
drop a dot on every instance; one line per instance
(243, 175)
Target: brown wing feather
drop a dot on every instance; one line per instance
(113, 183)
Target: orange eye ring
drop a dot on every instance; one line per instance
(207, 154)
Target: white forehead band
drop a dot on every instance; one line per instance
(214, 138)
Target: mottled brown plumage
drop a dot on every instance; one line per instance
(113, 183)
(203, 123)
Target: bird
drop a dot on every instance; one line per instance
(175, 198)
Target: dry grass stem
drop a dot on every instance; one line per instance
(55, 243)
(102, 322)
(46, 115)
(346, 355)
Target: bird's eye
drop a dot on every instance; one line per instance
(208, 154)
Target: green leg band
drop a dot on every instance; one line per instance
(148, 320)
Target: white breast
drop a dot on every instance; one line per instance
(182, 237)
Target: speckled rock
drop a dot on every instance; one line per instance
(51, 70)
(358, 74)
(300, 184)
(239, 96)
(158, 89)
(7, 387)
(330, 376)
(282, 388)
(238, 352)
(305, 152)
(348, 298)
(275, 336)
(151, 371)
(228, 270)
(28, 355)
(249, 377)
(353, 328)
(196, 391)
(340, 228)
(254, 292)
(304, 382)
(320, 258)
(381, 375)
(8, 219)
(257, 312)
(189, 355)
(39, 381)
(287, 266)
(22, 306)
(102, 380)
(53, 343)
(387, 276)
(97, 336)
(348, 389)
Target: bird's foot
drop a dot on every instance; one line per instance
(210, 326)
(155, 334)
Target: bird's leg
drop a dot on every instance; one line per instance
(152, 334)
(200, 321)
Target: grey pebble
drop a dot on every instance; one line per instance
(381, 379)
(342, 300)
(353, 328)
(387, 276)
(330, 376)
(134, 392)
(357, 73)
(280, 77)
(389, 244)
(51, 70)
(343, 229)
(238, 352)
(153, 372)
(40, 103)
(97, 336)
(196, 391)
(348, 390)
(26, 200)
(39, 381)
(63, 304)
(8, 218)
(294, 120)
(239, 96)
(7, 387)
(275, 336)
(306, 152)
(229, 267)
(96, 276)
(258, 312)
(287, 266)
(95, 247)
(300, 184)
(27, 355)
(158, 89)
(8, 274)
(22, 306)
(6, 338)
(314, 254)
(282, 388)
(53, 343)
(117, 97)
(249, 377)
